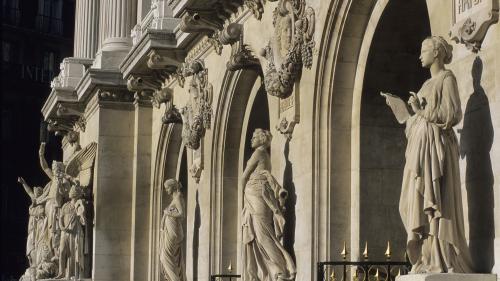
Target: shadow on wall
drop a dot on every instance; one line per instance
(288, 185)
(476, 140)
(196, 237)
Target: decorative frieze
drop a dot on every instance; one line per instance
(291, 47)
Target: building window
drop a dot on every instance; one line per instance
(49, 60)
(10, 12)
(49, 18)
(6, 53)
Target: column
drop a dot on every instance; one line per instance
(141, 186)
(86, 32)
(116, 20)
(119, 19)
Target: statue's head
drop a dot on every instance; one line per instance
(58, 169)
(435, 48)
(261, 137)
(75, 192)
(172, 186)
(37, 190)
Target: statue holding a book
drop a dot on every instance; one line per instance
(431, 201)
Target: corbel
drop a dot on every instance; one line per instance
(241, 55)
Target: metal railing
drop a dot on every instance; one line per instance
(361, 270)
(365, 270)
(224, 277)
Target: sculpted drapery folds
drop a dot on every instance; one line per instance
(431, 201)
(172, 234)
(56, 239)
(264, 257)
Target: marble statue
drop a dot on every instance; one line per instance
(172, 234)
(72, 220)
(262, 218)
(431, 201)
(52, 197)
(56, 233)
(37, 223)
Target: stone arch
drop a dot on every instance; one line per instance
(167, 163)
(238, 93)
(346, 40)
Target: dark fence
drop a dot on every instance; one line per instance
(361, 270)
(224, 277)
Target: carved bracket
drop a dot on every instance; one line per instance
(291, 47)
(73, 115)
(62, 127)
(472, 20)
(241, 55)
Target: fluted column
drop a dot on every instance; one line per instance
(86, 32)
(119, 18)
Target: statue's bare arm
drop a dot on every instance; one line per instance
(27, 188)
(251, 165)
(43, 162)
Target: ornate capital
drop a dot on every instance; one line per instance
(114, 96)
(291, 47)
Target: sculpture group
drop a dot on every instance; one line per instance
(58, 240)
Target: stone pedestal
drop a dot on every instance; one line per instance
(447, 277)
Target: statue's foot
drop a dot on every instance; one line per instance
(59, 276)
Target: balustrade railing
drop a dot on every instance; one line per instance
(365, 270)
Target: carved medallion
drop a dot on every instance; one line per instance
(291, 47)
(197, 114)
(471, 21)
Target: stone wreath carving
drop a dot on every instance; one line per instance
(291, 47)
(197, 114)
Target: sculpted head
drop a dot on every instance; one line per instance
(75, 192)
(435, 49)
(37, 190)
(58, 169)
(172, 186)
(261, 137)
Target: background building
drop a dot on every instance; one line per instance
(36, 35)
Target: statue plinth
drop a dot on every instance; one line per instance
(447, 277)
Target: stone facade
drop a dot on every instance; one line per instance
(174, 89)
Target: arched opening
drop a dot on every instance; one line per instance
(392, 66)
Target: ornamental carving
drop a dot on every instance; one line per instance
(256, 6)
(471, 21)
(241, 55)
(291, 47)
(197, 114)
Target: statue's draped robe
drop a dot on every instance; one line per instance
(37, 232)
(262, 231)
(72, 238)
(431, 201)
(171, 245)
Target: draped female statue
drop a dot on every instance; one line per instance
(262, 218)
(172, 234)
(431, 201)
(37, 224)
